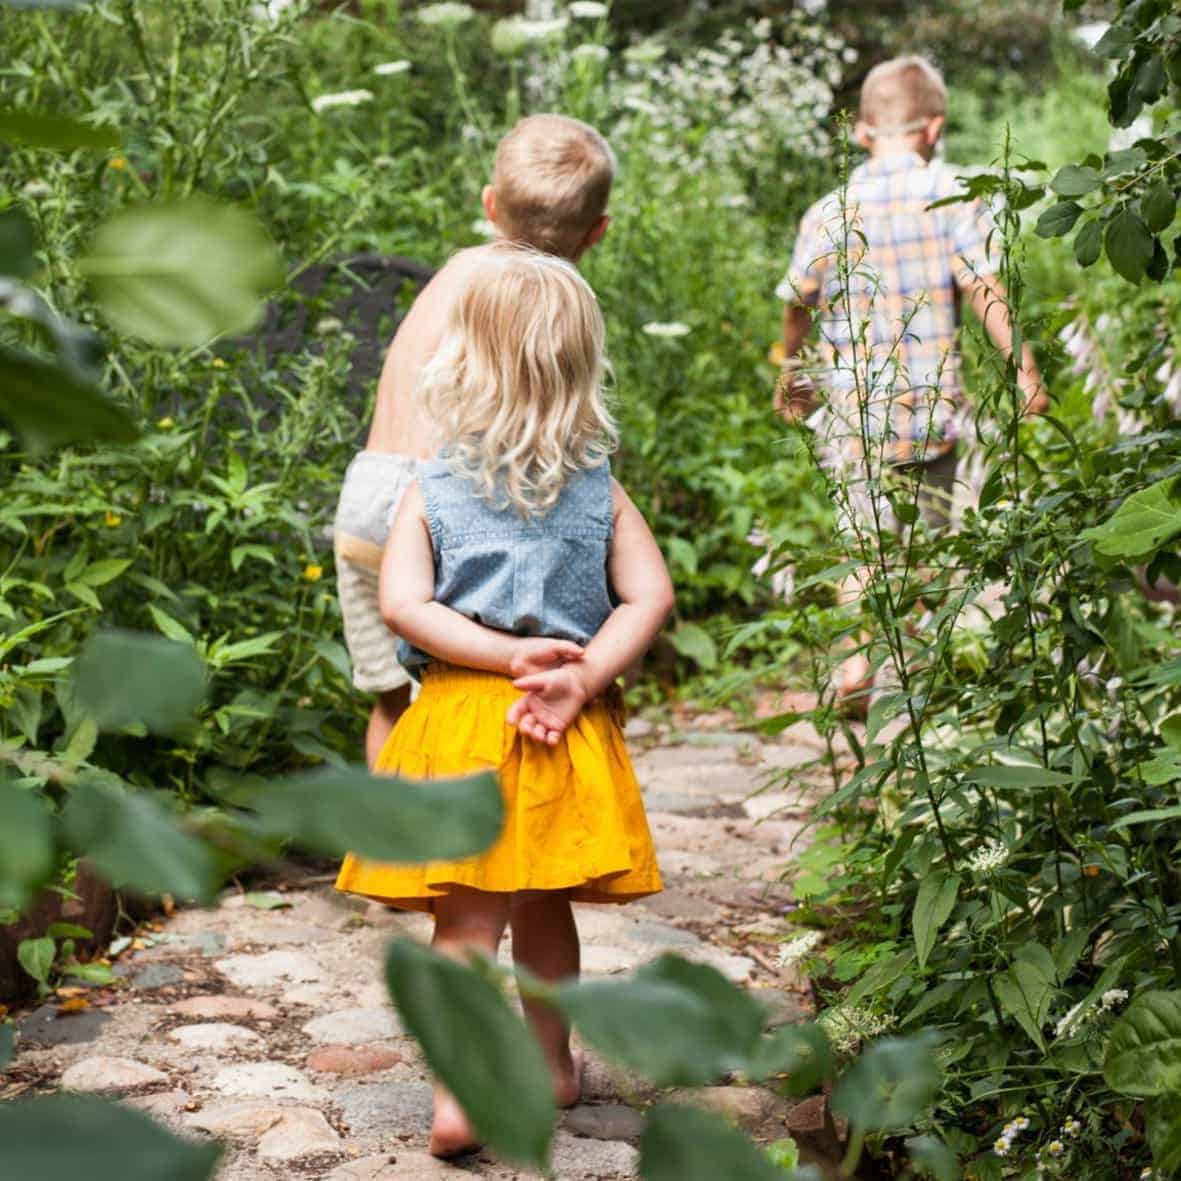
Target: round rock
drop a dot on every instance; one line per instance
(266, 1080)
(353, 1060)
(270, 969)
(214, 1035)
(110, 1076)
(352, 1027)
(301, 1132)
(224, 1008)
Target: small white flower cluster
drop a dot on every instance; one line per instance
(1071, 1128)
(345, 98)
(1112, 999)
(668, 329)
(590, 52)
(847, 1026)
(799, 947)
(1169, 375)
(1073, 1021)
(1003, 1144)
(587, 10)
(990, 856)
(385, 69)
(517, 34)
(1148, 1175)
(446, 15)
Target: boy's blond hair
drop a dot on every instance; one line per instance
(899, 94)
(552, 178)
(516, 387)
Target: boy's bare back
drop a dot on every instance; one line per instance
(399, 425)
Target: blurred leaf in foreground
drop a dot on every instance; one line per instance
(681, 1144)
(38, 129)
(181, 273)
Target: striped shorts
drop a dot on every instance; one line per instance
(373, 489)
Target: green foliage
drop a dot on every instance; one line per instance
(680, 1144)
(1144, 1050)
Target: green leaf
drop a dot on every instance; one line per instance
(783, 1154)
(68, 931)
(136, 841)
(1058, 219)
(345, 809)
(682, 553)
(36, 956)
(1016, 776)
(17, 244)
(26, 844)
(1025, 992)
(50, 407)
(890, 1085)
(1162, 1123)
(1149, 816)
(1158, 206)
(678, 1023)
(1129, 245)
(169, 626)
(682, 1144)
(1117, 41)
(1088, 243)
(694, 643)
(104, 571)
(1146, 520)
(91, 973)
(1143, 1055)
(1075, 181)
(38, 129)
(935, 902)
(799, 1051)
(478, 1047)
(881, 975)
(128, 678)
(182, 273)
(932, 1158)
(50, 1138)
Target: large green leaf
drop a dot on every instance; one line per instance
(1129, 245)
(935, 902)
(36, 956)
(478, 1047)
(677, 1023)
(124, 678)
(1162, 1123)
(1088, 243)
(890, 1085)
(1159, 206)
(1142, 523)
(930, 1157)
(345, 809)
(182, 273)
(1075, 181)
(880, 976)
(50, 407)
(692, 641)
(17, 244)
(1025, 992)
(26, 844)
(799, 1051)
(1144, 1049)
(1016, 776)
(136, 841)
(66, 1137)
(39, 129)
(682, 1144)
(1059, 219)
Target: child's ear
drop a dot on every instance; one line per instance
(595, 234)
(934, 130)
(862, 134)
(488, 200)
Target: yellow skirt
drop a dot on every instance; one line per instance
(574, 817)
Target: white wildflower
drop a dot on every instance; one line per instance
(384, 161)
(1072, 1022)
(385, 69)
(734, 201)
(35, 189)
(990, 856)
(446, 15)
(1071, 1127)
(645, 53)
(345, 98)
(329, 326)
(515, 34)
(1001, 1145)
(1147, 1175)
(669, 328)
(801, 946)
(590, 53)
(1056, 1148)
(587, 10)
(847, 1026)
(1112, 999)
(813, 7)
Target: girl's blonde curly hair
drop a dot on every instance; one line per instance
(516, 387)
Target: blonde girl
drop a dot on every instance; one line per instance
(523, 581)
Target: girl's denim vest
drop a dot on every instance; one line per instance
(531, 576)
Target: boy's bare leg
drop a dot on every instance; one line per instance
(389, 707)
(465, 921)
(545, 943)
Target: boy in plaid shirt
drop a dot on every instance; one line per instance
(889, 336)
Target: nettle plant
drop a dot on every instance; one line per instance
(1011, 829)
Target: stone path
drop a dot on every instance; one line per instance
(270, 1029)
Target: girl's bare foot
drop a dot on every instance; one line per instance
(451, 1133)
(568, 1081)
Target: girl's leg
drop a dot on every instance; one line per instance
(465, 920)
(545, 943)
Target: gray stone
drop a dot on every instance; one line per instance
(386, 1107)
(224, 1007)
(301, 1132)
(598, 960)
(270, 969)
(353, 1027)
(677, 904)
(662, 935)
(401, 1164)
(736, 968)
(198, 942)
(246, 1121)
(52, 1028)
(266, 1080)
(274, 932)
(667, 801)
(215, 1035)
(162, 1105)
(604, 1121)
(110, 1076)
(576, 1159)
(157, 976)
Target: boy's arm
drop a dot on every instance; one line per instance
(795, 395)
(644, 592)
(989, 300)
(406, 592)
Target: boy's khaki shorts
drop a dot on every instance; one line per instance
(373, 488)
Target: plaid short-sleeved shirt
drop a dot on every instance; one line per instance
(888, 348)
